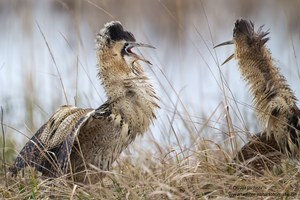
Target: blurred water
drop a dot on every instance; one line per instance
(184, 62)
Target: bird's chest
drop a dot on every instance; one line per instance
(102, 138)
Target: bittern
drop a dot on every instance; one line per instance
(274, 101)
(78, 140)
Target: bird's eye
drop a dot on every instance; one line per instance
(127, 48)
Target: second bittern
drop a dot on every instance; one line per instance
(274, 101)
(80, 140)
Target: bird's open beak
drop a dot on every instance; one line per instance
(134, 55)
(223, 44)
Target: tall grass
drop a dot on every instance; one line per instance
(188, 151)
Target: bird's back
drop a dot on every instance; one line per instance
(260, 153)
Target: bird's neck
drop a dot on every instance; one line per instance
(274, 101)
(130, 93)
(267, 84)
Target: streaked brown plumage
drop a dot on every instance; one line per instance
(274, 101)
(259, 154)
(94, 138)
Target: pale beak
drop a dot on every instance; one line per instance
(223, 44)
(132, 54)
(228, 59)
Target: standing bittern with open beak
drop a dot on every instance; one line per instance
(274, 101)
(81, 141)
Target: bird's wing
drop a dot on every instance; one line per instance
(64, 151)
(99, 116)
(41, 150)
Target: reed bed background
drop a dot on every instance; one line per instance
(47, 59)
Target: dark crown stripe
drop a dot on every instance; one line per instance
(116, 33)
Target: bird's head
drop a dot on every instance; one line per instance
(245, 38)
(113, 42)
